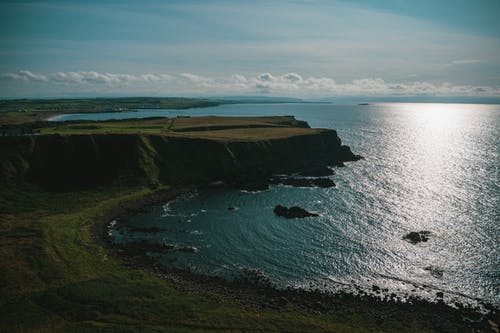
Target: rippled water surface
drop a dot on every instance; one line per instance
(427, 167)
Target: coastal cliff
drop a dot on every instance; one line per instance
(69, 161)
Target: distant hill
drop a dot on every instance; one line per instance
(260, 99)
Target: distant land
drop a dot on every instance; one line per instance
(261, 99)
(28, 110)
(16, 111)
(408, 99)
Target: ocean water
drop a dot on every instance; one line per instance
(427, 167)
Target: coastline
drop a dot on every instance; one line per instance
(60, 236)
(259, 294)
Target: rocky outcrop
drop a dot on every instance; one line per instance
(322, 171)
(293, 212)
(303, 182)
(415, 237)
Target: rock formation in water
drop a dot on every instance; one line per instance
(292, 212)
(415, 237)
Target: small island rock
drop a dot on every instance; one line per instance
(292, 212)
(415, 237)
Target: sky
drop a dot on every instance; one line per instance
(294, 48)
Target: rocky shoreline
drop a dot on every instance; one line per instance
(255, 291)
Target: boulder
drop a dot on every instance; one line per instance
(292, 212)
(415, 237)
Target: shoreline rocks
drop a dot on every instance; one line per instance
(256, 186)
(317, 172)
(303, 182)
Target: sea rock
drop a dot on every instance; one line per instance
(292, 212)
(303, 182)
(256, 277)
(415, 237)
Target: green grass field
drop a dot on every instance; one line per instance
(216, 128)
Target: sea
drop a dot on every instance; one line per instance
(431, 167)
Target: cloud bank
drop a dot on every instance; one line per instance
(288, 84)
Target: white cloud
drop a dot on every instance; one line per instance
(463, 62)
(293, 77)
(83, 77)
(288, 84)
(24, 76)
(196, 78)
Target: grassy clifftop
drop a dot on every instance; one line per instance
(211, 127)
(167, 151)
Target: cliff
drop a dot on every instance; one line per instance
(66, 162)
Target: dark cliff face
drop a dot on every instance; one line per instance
(81, 161)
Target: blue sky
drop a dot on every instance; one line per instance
(295, 48)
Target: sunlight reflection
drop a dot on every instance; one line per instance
(435, 116)
(431, 137)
